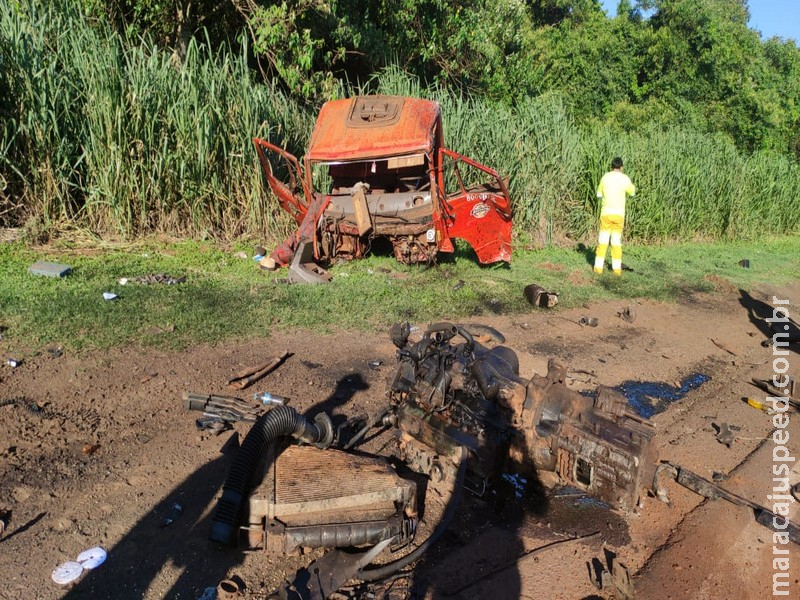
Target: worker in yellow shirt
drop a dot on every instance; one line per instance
(614, 187)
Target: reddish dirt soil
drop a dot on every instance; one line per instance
(111, 449)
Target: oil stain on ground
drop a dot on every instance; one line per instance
(649, 398)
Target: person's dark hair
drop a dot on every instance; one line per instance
(616, 163)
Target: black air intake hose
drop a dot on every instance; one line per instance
(281, 421)
(389, 569)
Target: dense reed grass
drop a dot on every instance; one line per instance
(112, 135)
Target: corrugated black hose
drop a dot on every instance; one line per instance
(281, 421)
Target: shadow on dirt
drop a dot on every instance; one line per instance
(133, 565)
(782, 330)
(478, 557)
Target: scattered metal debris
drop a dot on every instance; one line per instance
(460, 416)
(590, 321)
(250, 375)
(109, 296)
(5, 519)
(49, 269)
(13, 363)
(215, 425)
(267, 399)
(724, 434)
(174, 512)
(324, 576)
(627, 314)
(303, 269)
(162, 278)
(615, 578)
(789, 393)
(375, 364)
(459, 285)
(227, 408)
(710, 490)
(537, 296)
(228, 589)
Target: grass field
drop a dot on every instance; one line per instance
(225, 296)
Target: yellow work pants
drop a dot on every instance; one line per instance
(610, 230)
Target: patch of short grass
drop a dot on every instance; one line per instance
(227, 297)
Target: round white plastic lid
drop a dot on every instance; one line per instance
(67, 572)
(91, 558)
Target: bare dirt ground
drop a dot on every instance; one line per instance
(107, 449)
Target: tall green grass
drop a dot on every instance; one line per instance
(689, 184)
(113, 135)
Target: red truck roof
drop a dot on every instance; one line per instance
(368, 127)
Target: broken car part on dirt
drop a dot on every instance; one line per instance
(248, 376)
(536, 295)
(459, 416)
(710, 490)
(227, 408)
(49, 269)
(386, 174)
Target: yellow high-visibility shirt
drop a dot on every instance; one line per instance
(612, 189)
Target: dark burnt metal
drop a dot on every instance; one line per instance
(712, 491)
(450, 393)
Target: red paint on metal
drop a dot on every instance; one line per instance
(396, 127)
(481, 217)
(334, 139)
(290, 202)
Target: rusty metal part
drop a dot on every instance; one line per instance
(228, 589)
(359, 500)
(617, 579)
(712, 491)
(536, 295)
(248, 376)
(228, 408)
(303, 269)
(324, 576)
(418, 197)
(789, 393)
(724, 434)
(361, 208)
(450, 395)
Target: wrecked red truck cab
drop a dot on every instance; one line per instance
(376, 167)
